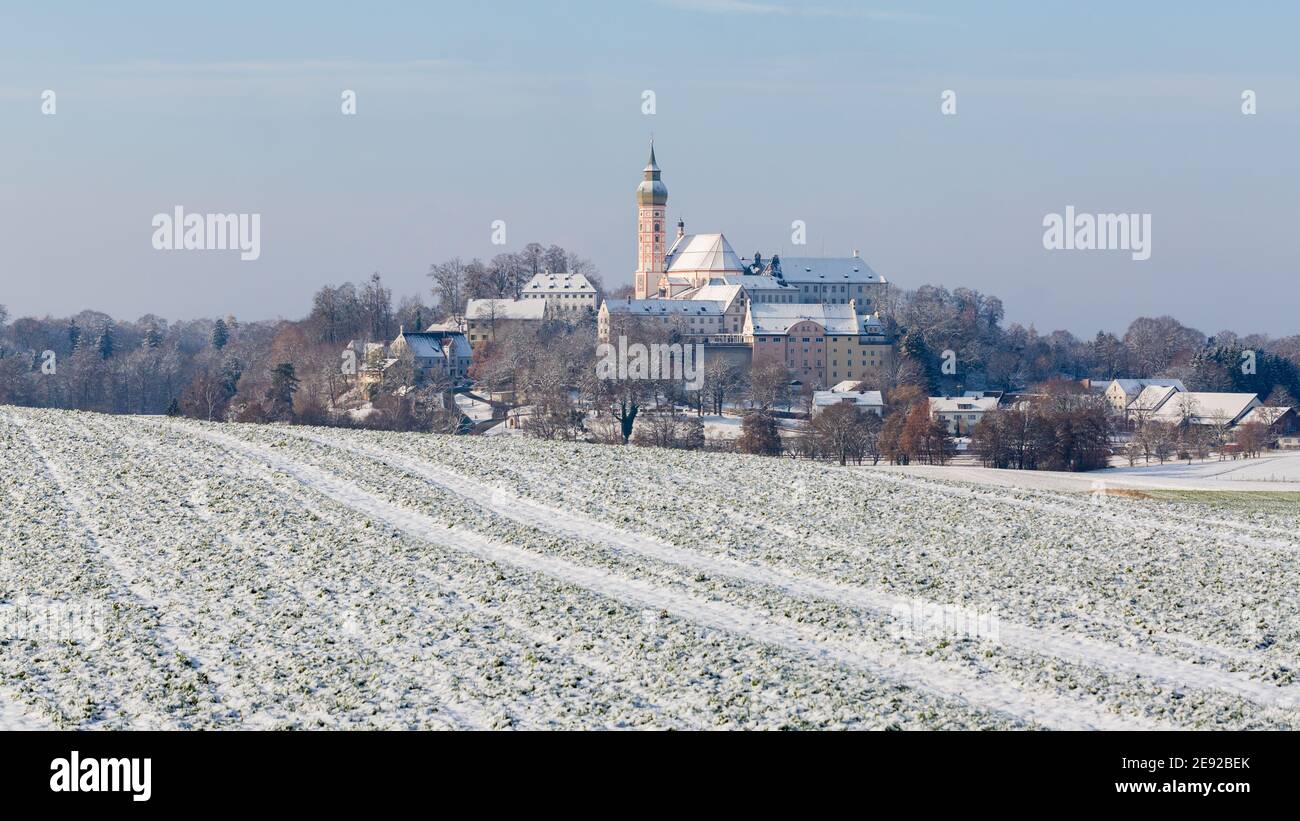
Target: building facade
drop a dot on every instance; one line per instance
(566, 296)
(486, 318)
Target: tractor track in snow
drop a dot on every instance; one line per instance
(1051, 710)
(1055, 644)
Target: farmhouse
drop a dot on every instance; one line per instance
(1196, 408)
(960, 414)
(484, 318)
(1279, 421)
(1121, 392)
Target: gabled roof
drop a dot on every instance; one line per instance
(703, 252)
(777, 317)
(1263, 415)
(505, 309)
(1206, 407)
(714, 291)
(458, 346)
(1152, 398)
(559, 283)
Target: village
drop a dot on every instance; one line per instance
(793, 356)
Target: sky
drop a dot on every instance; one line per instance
(531, 113)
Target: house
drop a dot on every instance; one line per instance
(1291, 442)
(566, 296)
(374, 362)
(865, 401)
(960, 414)
(1121, 392)
(1197, 408)
(1279, 421)
(485, 318)
(455, 348)
(423, 352)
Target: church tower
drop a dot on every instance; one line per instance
(651, 199)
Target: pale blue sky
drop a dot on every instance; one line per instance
(767, 112)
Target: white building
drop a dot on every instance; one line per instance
(1121, 392)
(566, 296)
(484, 318)
(865, 401)
(960, 414)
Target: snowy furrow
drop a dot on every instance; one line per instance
(273, 565)
(661, 707)
(122, 667)
(1047, 642)
(1048, 709)
(1187, 596)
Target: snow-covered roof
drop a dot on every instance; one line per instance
(665, 307)
(549, 283)
(505, 309)
(1206, 408)
(458, 345)
(750, 283)
(802, 270)
(777, 317)
(703, 252)
(425, 346)
(1263, 415)
(1152, 397)
(834, 397)
(714, 290)
(962, 404)
(846, 386)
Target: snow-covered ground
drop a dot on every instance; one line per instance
(1275, 471)
(256, 576)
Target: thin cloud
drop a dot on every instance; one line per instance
(303, 66)
(779, 10)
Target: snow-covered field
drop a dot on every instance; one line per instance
(253, 576)
(1276, 471)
